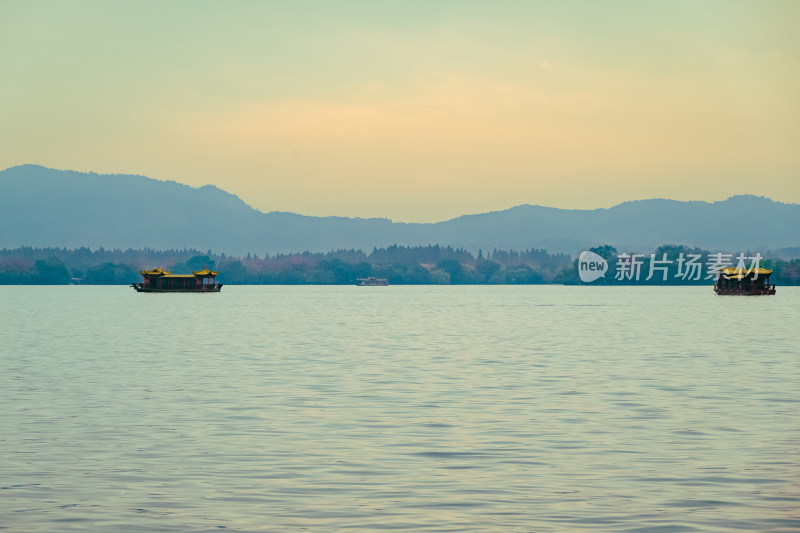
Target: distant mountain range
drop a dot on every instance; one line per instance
(45, 207)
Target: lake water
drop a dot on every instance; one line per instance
(418, 408)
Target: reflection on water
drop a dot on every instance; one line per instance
(419, 408)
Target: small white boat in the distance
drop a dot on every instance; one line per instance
(372, 282)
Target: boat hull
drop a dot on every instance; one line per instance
(139, 287)
(743, 292)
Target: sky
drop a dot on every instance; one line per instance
(416, 111)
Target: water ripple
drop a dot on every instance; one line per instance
(408, 408)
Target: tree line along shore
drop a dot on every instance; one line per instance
(434, 264)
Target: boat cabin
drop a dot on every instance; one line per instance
(740, 281)
(160, 280)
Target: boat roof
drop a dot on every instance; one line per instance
(745, 271)
(168, 273)
(204, 272)
(739, 274)
(155, 272)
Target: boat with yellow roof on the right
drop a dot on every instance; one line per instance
(744, 282)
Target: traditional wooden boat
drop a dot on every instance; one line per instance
(160, 280)
(371, 282)
(744, 282)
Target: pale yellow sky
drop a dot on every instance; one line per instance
(415, 111)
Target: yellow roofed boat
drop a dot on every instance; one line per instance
(744, 282)
(160, 280)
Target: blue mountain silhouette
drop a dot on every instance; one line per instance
(46, 207)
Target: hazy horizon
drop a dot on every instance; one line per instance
(413, 112)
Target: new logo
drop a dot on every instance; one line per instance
(591, 266)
